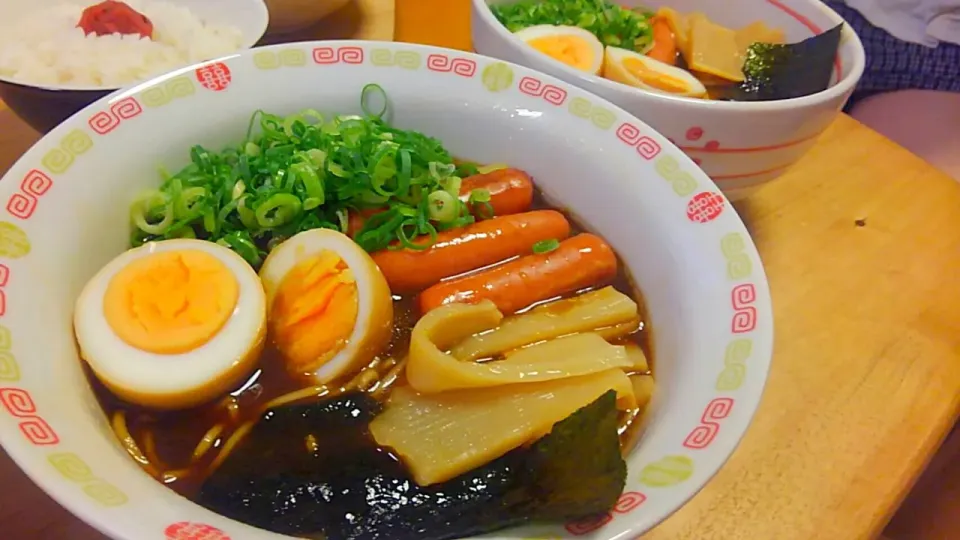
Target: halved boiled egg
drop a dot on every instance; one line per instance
(329, 308)
(571, 45)
(641, 71)
(172, 324)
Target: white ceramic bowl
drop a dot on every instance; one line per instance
(45, 106)
(739, 145)
(64, 214)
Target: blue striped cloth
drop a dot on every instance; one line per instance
(893, 64)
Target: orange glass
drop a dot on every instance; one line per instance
(444, 23)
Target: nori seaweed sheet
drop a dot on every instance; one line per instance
(344, 486)
(784, 71)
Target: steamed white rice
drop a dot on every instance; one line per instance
(47, 49)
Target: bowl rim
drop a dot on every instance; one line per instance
(101, 520)
(844, 86)
(248, 42)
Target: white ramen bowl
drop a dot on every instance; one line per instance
(65, 204)
(741, 146)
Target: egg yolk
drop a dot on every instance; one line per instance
(314, 311)
(171, 302)
(571, 50)
(655, 79)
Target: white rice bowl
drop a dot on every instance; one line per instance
(46, 48)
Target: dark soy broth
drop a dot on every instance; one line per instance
(168, 439)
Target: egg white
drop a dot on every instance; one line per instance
(549, 30)
(613, 61)
(181, 380)
(374, 324)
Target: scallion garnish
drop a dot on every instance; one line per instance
(546, 246)
(299, 172)
(612, 24)
(479, 199)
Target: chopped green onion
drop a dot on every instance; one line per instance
(182, 232)
(150, 206)
(258, 114)
(480, 195)
(484, 169)
(209, 222)
(612, 24)
(189, 203)
(343, 220)
(317, 157)
(452, 186)
(248, 218)
(304, 171)
(546, 246)
(237, 190)
(406, 239)
(279, 209)
(467, 169)
(442, 206)
(307, 114)
(368, 94)
(241, 242)
(480, 200)
(441, 171)
(312, 184)
(337, 170)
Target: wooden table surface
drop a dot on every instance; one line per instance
(861, 243)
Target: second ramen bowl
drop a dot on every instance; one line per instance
(741, 146)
